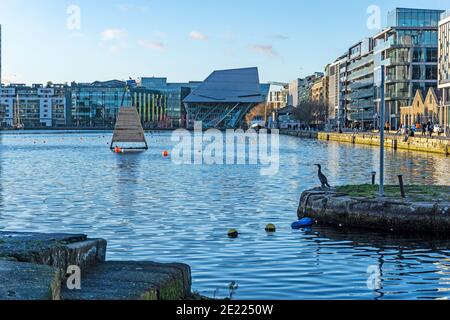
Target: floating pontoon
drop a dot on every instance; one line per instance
(128, 134)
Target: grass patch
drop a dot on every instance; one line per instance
(415, 192)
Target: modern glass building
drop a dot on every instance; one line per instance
(444, 70)
(152, 107)
(224, 99)
(175, 93)
(408, 48)
(360, 84)
(97, 104)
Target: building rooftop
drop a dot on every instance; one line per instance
(445, 15)
(234, 85)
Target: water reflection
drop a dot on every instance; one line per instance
(149, 209)
(1, 185)
(403, 261)
(127, 175)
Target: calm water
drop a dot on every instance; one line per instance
(149, 209)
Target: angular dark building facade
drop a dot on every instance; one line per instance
(224, 98)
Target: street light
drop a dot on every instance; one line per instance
(380, 71)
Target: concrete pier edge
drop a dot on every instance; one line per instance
(33, 266)
(386, 214)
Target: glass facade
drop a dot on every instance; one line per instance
(409, 50)
(175, 108)
(152, 107)
(444, 51)
(444, 70)
(97, 105)
(175, 93)
(405, 17)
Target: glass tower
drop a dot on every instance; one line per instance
(408, 48)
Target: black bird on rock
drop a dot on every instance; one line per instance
(323, 179)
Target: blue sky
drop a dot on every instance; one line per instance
(180, 39)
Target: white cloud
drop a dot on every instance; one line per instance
(115, 38)
(195, 35)
(155, 45)
(114, 34)
(266, 50)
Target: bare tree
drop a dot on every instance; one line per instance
(261, 110)
(311, 113)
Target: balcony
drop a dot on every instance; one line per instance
(363, 104)
(367, 93)
(400, 60)
(360, 74)
(397, 78)
(361, 62)
(402, 95)
(361, 84)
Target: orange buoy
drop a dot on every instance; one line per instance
(117, 150)
(165, 153)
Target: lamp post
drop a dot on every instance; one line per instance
(382, 135)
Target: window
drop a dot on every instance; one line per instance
(431, 72)
(432, 55)
(417, 55)
(416, 73)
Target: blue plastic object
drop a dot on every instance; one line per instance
(303, 223)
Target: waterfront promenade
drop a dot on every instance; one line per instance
(433, 144)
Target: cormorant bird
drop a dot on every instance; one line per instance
(323, 179)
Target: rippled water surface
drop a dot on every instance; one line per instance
(150, 209)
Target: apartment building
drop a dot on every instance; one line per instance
(33, 106)
(444, 70)
(408, 48)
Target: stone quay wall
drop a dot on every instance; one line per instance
(394, 141)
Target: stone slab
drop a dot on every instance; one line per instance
(57, 250)
(27, 281)
(132, 281)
